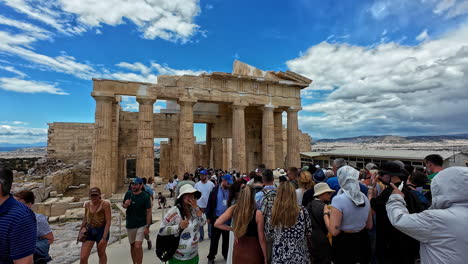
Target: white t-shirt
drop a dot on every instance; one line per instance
(299, 195)
(205, 189)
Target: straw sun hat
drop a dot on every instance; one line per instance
(187, 188)
(322, 187)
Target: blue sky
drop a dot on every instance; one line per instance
(379, 67)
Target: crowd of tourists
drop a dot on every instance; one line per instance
(384, 213)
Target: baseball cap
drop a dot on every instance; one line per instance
(228, 178)
(95, 190)
(204, 172)
(137, 181)
(391, 168)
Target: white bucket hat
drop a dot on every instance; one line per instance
(322, 187)
(187, 188)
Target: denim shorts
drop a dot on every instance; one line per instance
(96, 233)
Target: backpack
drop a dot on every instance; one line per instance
(166, 246)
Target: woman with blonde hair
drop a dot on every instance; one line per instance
(291, 228)
(305, 183)
(248, 228)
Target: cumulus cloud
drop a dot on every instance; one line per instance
(17, 134)
(171, 20)
(387, 88)
(25, 86)
(423, 36)
(451, 8)
(143, 73)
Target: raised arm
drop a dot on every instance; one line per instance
(220, 222)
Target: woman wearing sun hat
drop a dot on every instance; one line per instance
(186, 216)
(321, 252)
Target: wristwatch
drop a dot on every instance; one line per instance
(326, 214)
(148, 226)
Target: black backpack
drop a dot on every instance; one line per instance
(166, 246)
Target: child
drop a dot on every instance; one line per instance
(161, 200)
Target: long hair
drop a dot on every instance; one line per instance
(234, 191)
(285, 209)
(244, 210)
(305, 180)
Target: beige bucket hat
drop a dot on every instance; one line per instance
(187, 188)
(322, 187)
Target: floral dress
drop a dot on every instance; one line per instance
(188, 244)
(290, 244)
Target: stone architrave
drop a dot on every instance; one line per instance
(268, 138)
(186, 138)
(293, 158)
(101, 165)
(145, 139)
(239, 156)
(278, 123)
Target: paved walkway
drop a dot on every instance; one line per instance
(120, 253)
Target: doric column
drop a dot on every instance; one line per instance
(101, 165)
(186, 139)
(239, 156)
(209, 157)
(278, 123)
(145, 139)
(268, 138)
(117, 179)
(218, 153)
(293, 156)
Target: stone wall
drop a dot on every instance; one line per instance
(19, 164)
(305, 142)
(70, 142)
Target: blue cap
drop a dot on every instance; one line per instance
(137, 181)
(319, 176)
(204, 172)
(228, 178)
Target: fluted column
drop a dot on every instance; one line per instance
(186, 139)
(239, 156)
(293, 156)
(145, 139)
(278, 124)
(101, 165)
(268, 139)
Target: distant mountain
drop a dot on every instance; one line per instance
(32, 145)
(394, 139)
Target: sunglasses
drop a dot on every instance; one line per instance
(94, 195)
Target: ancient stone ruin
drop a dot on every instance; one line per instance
(243, 111)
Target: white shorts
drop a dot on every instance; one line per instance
(136, 234)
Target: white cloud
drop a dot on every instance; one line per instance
(147, 74)
(98, 31)
(13, 122)
(388, 88)
(130, 104)
(451, 8)
(13, 70)
(423, 36)
(32, 30)
(22, 135)
(25, 86)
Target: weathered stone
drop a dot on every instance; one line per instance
(53, 219)
(77, 213)
(58, 209)
(53, 194)
(82, 185)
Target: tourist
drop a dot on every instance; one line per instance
(441, 230)
(138, 221)
(170, 186)
(265, 200)
(174, 184)
(204, 187)
(161, 200)
(45, 237)
(248, 224)
(150, 192)
(333, 181)
(18, 228)
(415, 183)
(234, 192)
(319, 176)
(305, 183)
(291, 228)
(185, 180)
(321, 247)
(97, 219)
(186, 216)
(293, 172)
(257, 184)
(348, 219)
(393, 246)
(434, 164)
(217, 205)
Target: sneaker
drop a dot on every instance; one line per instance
(150, 245)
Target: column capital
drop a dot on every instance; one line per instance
(239, 106)
(99, 97)
(268, 107)
(187, 101)
(294, 109)
(145, 100)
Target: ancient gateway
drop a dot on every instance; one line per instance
(243, 111)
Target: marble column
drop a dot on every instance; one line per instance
(268, 138)
(293, 156)
(186, 138)
(117, 179)
(174, 144)
(101, 165)
(239, 156)
(208, 155)
(145, 138)
(278, 124)
(218, 153)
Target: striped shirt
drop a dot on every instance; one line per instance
(17, 231)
